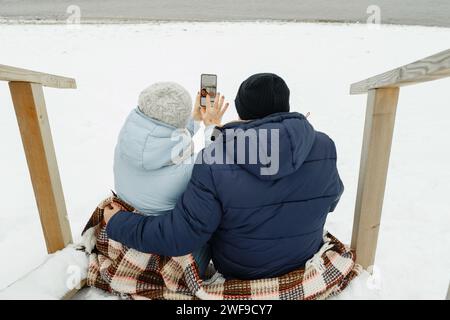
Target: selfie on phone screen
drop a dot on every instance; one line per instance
(208, 85)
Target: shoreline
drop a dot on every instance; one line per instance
(433, 13)
(91, 22)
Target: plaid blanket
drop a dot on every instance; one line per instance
(131, 274)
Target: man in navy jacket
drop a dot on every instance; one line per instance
(262, 214)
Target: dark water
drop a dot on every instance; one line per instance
(411, 12)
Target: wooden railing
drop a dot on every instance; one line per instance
(29, 104)
(383, 91)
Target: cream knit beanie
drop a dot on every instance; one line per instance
(167, 102)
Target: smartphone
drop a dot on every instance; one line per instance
(208, 85)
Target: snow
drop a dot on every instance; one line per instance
(112, 63)
(50, 280)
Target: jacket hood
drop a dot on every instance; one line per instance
(148, 143)
(283, 141)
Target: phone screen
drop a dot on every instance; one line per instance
(208, 85)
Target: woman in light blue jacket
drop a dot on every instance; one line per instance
(154, 155)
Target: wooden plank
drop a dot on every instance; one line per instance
(377, 140)
(431, 68)
(8, 73)
(29, 104)
(71, 293)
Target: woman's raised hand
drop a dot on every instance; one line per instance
(196, 114)
(212, 114)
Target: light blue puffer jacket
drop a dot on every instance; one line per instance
(143, 173)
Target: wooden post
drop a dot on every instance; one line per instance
(383, 90)
(29, 104)
(377, 140)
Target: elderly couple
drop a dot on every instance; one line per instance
(221, 204)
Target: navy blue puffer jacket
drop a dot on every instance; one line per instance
(258, 225)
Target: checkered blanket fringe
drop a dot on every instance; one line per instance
(135, 275)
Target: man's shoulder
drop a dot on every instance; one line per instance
(323, 147)
(324, 139)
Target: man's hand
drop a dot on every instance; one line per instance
(110, 210)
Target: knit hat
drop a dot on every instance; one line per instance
(261, 95)
(167, 102)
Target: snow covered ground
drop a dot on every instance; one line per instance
(112, 63)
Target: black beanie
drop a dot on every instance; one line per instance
(261, 95)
